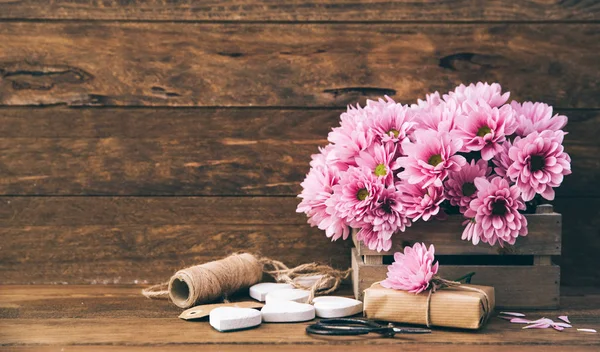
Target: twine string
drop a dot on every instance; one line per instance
(158, 291)
(220, 278)
(328, 282)
(438, 283)
(208, 282)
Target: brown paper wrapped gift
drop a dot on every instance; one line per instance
(458, 307)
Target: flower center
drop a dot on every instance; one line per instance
(482, 131)
(395, 132)
(380, 170)
(434, 160)
(468, 189)
(536, 163)
(362, 194)
(499, 207)
(387, 207)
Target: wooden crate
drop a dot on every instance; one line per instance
(533, 283)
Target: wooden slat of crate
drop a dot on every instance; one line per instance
(544, 238)
(516, 286)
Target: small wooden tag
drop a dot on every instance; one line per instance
(202, 311)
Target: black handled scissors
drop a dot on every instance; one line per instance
(349, 326)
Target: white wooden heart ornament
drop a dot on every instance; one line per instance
(259, 291)
(290, 294)
(231, 318)
(336, 307)
(287, 312)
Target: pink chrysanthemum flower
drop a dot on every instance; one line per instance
(419, 202)
(495, 213)
(384, 220)
(373, 239)
(440, 118)
(490, 94)
(485, 128)
(317, 189)
(539, 163)
(355, 195)
(381, 160)
(536, 117)
(460, 186)
(501, 160)
(389, 121)
(470, 233)
(431, 100)
(351, 137)
(430, 158)
(412, 270)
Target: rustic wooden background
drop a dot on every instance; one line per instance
(137, 137)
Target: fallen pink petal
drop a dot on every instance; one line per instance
(520, 321)
(541, 320)
(505, 318)
(537, 326)
(587, 330)
(564, 318)
(563, 325)
(514, 314)
(559, 328)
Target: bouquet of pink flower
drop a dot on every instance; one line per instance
(388, 165)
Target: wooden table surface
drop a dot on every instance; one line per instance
(141, 137)
(118, 318)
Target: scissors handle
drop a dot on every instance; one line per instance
(336, 331)
(347, 326)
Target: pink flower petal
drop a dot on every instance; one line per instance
(587, 330)
(505, 318)
(562, 325)
(520, 321)
(514, 314)
(537, 326)
(558, 328)
(542, 320)
(564, 318)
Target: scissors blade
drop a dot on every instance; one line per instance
(412, 331)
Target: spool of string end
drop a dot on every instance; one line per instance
(218, 279)
(210, 281)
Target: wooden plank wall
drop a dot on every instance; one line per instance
(137, 137)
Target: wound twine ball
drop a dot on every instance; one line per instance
(218, 279)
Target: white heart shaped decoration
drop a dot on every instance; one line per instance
(336, 307)
(290, 294)
(287, 312)
(233, 318)
(259, 291)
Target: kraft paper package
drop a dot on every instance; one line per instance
(465, 306)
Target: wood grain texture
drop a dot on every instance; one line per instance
(544, 237)
(333, 346)
(516, 287)
(123, 239)
(141, 240)
(304, 10)
(114, 317)
(62, 151)
(191, 64)
(581, 240)
(158, 152)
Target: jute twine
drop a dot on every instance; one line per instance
(329, 281)
(218, 279)
(438, 283)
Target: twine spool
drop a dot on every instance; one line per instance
(218, 279)
(210, 281)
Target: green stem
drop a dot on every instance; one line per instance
(466, 277)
